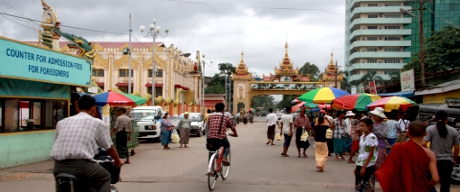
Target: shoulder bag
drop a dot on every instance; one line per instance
(212, 144)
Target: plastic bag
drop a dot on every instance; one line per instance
(329, 133)
(279, 137)
(175, 137)
(304, 136)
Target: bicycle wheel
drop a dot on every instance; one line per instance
(225, 170)
(212, 175)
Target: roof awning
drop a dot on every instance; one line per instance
(124, 84)
(441, 88)
(400, 94)
(212, 103)
(180, 86)
(156, 85)
(100, 84)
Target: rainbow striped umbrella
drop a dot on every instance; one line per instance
(322, 95)
(356, 101)
(390, 103)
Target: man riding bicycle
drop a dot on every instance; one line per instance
(76, 143)
(216, 122)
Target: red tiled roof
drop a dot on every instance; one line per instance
(124, 84)
(156, 85)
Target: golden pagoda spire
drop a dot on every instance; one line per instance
(286, 46)
(242, 57)
(332, 59)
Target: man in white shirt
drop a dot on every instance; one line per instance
(272, 121)
(286, 128)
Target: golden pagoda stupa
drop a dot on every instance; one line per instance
(241, 72)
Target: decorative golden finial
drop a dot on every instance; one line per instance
(242, 57)
(332, 59)
(45, 5)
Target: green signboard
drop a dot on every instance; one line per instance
(27, 62)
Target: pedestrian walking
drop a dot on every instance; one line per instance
(392, 128)
(443, 138)
(302, 124)
(338, 135)
(166, 130)
(184, 129)
(321, 150)
(402, 124)
(380, 129)
(272, 121)
(330, 140)
(365, 164)
(408, 164)
(286, 128)
(123, 130)
(355, 134)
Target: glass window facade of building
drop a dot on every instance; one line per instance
(377, 38)
(437, 15)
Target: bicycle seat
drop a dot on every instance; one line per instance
(66, 176)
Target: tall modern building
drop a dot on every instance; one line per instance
(437, 15)
(376, 37)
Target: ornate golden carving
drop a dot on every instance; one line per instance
(99, 61)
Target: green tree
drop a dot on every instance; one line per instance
(345, 84)
(395, 77)
(286, 101)
(265, 101)
(442, 52)
(310, 69)
(371, 76)
(226, 66)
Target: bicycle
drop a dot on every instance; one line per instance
(216, 168)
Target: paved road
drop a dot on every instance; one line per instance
(255, 167)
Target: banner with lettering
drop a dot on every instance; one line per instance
(28, 62)
(373, 87)
(407, 81)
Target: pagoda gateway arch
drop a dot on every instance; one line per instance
(285, 81)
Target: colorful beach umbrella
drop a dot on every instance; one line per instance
(390, 103)
(322, 95)
(356, 101)
(138, 100)
(113, 98)
(306, 105)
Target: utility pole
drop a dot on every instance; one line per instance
(422, 49)
(129, 56)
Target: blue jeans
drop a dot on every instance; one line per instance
(287, 140)
(226, 146)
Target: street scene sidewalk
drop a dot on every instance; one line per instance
(255, 167)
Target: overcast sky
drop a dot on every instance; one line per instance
(219, 29)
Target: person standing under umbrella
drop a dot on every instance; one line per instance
(123, 129)
(184, 128)
(166, 130)
(381, 131)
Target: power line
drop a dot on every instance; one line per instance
(79, 28)
(3, 15)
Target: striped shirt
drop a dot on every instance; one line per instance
(79, 136)
(214, 122)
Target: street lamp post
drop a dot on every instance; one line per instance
(422, 51)
(203, 76)
(154, 32)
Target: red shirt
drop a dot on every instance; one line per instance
(214, 122)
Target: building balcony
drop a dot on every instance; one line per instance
(379, 55)
(378, 1)
(377, 66)
(386, 32)
(379, 10)
(379, 21)
(380, 44)
(359, 76)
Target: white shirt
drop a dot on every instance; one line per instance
(271, 119)
(78, 137)
(329, 118)
(286, 119)
(402, 124)
(348, 127)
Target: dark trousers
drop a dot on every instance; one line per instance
(287, 140)
(366, 182)
(445, 168)
(89, 174)
(226, 146)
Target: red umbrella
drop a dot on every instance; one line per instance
(113, 98)
(356, 101)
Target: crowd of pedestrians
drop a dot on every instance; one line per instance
(401, 155)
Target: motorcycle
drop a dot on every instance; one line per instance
(66, 182)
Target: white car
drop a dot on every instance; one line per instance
(148, 120)
(197, 127)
